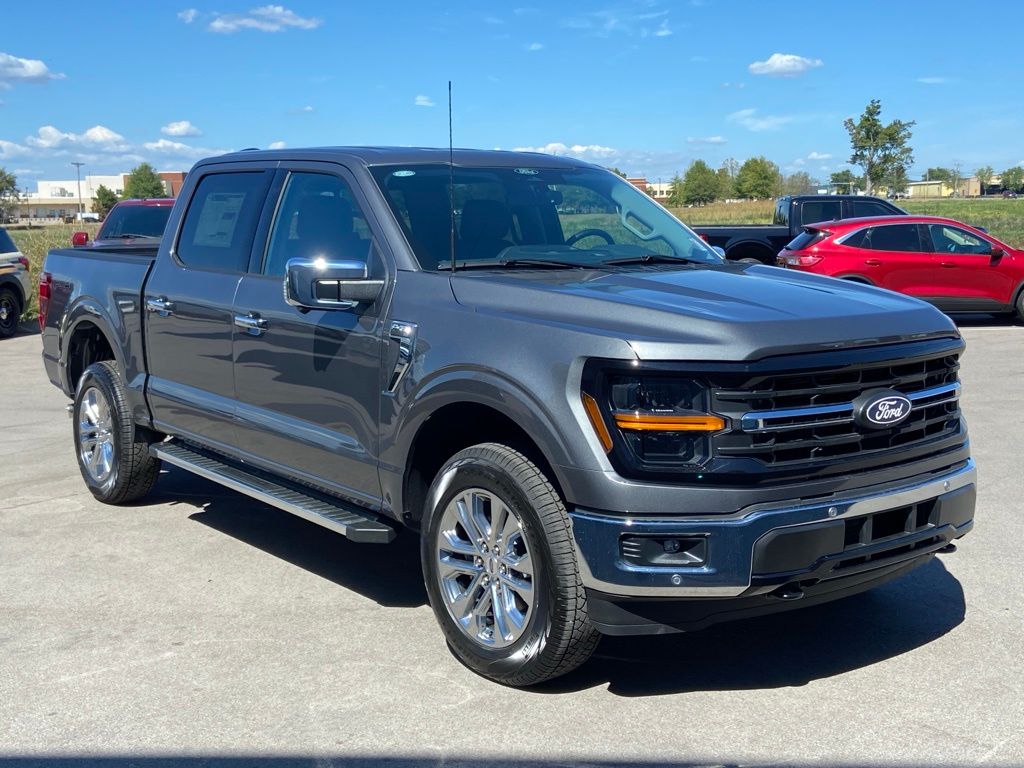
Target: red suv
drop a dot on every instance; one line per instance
(957, 267)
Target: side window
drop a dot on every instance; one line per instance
(220, 223)
(781, 213)
(318, 217)
(893, 237)
(864, 208)
(947, 239)
(857, 239)
(820, 210)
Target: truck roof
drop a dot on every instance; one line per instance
(405, 156)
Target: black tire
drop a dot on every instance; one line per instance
(1020, 307)
(558, 636)
(10, 312)
(133, 471)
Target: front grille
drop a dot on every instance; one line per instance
(789, 420)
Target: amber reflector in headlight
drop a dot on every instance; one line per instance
(653, 422)
(597, 421)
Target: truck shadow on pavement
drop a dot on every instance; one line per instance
(787, 649)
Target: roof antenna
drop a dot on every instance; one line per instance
(451, 179)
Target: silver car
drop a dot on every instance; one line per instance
(15, 285)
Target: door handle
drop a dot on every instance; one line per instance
(948, 264)
(873, 262)
(161, 306)
(253, 324)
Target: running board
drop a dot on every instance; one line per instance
(335, 514)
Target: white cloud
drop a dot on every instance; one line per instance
(581, 151)
(819, 156)
(663, 29)
(301, 110)
(179, 150)
(706, 140)
(14, 69)
(10, 149)
(98, 137)
(740, 86)
(188, 15)
(784, 65)
(750, 120)
(423, 101)
(626, 22)
(27, 172)
(266, 18)
(534, 46)
(933, 80)
(276, 145)
(181, 128)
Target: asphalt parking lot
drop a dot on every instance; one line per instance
(201, 628)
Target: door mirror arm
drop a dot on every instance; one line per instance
(322, 284)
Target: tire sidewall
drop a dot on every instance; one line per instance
(11, 328)
(98, 377)
(453, 479)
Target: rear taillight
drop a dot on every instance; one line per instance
(45, 283)
(797, 260)
(23, 260)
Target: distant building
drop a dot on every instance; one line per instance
(57, 200)
(968, 186)
(659, 190)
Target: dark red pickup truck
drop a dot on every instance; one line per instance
(130, 220)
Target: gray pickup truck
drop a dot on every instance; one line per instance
(594, 423)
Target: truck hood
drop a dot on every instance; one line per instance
(705, 312)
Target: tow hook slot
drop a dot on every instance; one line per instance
(788, 592)
(948, 549)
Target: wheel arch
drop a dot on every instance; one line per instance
(9, 281)
(86, 338)
(744, 249)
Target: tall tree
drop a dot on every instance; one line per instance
(617, 172)
(105, 200)
(676, 191)
(142, 182)
(799, 183)
(758, 178)
(700, 184)
(877, 148)
(984, 175)
(726, 183)
(954, 179)
(8, 194)
(896, 180)
(731, 166)
(1013, 179)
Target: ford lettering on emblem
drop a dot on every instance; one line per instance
(880, 409)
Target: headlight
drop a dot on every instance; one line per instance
(650, 421)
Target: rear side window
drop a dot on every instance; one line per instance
(220, 223)
(781, 212)
(893, 237)
(6, 244)
(856, 240)
(806, 239)
(820, 210)
(864, 208)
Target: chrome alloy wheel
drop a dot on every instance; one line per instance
(484, 568)
(95, 435)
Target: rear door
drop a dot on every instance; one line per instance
(188, 301)
(966, 273)
(308, 382)
(862, 209)
(895, 258)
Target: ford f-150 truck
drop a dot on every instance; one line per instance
(762, 242)
(593, 422)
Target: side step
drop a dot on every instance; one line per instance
(334, 514)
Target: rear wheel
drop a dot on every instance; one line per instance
(10, 312)
(113, 453)
(500, 568)
(1020, 306)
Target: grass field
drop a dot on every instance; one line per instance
(1003, 218)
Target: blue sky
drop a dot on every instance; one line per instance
(645, 85)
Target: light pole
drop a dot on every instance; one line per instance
(78, 174)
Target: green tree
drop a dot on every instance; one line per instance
(726, 184)
(8, 194)
(143, 182)
(1013, 179)
(896, 180)
(877, 148)
(105, 200)
(676, 191)
(984, 175)
(700, 185)
(937, 174)
(758, 178)
(845, 181)
(799, 183)
(617, 172)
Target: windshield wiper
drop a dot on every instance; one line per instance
(128, 236)
(503, 263)
(652, 258)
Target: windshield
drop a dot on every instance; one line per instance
(6, 244)
(136, 221)
(572, 217)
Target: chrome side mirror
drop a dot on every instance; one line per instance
(322, 284)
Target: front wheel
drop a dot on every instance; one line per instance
(10, 312)
(1020, 306)
(500, 569)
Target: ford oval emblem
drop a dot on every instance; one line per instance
(880, 409)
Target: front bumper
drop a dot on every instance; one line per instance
(843, 539)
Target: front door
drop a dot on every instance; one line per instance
(189, 294)
(308, 382)
(965, 270)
